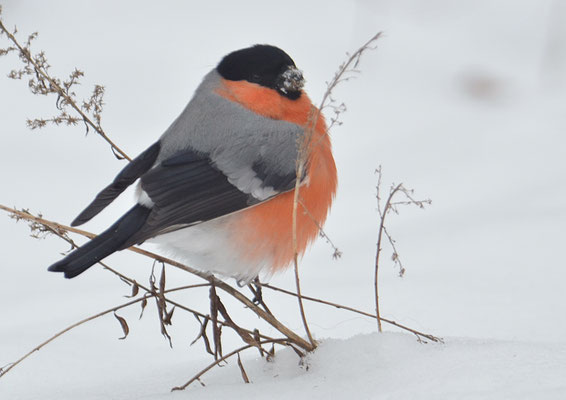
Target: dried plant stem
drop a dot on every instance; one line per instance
(354, 310)
(305, 146)
(348, 66)
(270, 319)
(60, 231)
(296, 262)
(242, 370)
(337, 253)
(222, 359)
(378, 251)
(83, 321)
(149, 294)
(258, 296)
(61, 92)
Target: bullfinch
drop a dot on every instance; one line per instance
(217, 188)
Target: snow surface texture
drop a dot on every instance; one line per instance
(462, 101)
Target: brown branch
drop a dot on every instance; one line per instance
(176, 304)
(390, 205)
(26, 54)
(149, 294)
(378, 252)
(296, 258)
(336, 252)
(258, 295)
(216, 330)
(242, 370)
(244, 335)
(396, 258)
(304, 147)
(348, 66)
(61, 233)
(81, 322)
(270, 319)
(354, 310)
(224, 358)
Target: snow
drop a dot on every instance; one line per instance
(462, 101)
(370, 366)
(395, 366)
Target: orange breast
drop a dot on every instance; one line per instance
(265, 231)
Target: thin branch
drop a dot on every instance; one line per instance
(258, 295)
(354, 310)
(336, 252)
(216, 330)
(390, 205)
(222, 359)
(395, 256)
(270, 319)
(81, 322)
(242, 370)
(296, 260)
(348, 66)
(62, 93)
(174, 303)
(305, 145)
(378, 252)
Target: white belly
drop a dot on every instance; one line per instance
(207, 247)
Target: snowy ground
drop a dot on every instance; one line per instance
(462, 101)
(372, 366)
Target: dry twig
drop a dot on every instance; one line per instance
(43, 83)
(222, 359)
(354, 310)
(85, 320)
(269, 318)
(389, 206)
(305, 146)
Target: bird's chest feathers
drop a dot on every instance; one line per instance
(267, 102)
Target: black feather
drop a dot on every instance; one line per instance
(278, 180)
(111, 240)
(136, 168)
(185, 189)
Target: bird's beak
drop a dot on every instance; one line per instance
(291, 80)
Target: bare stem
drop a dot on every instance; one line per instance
(222, 359)
(336, 252)
(83, 321)
(305, 146)
(270, 319)
(390, 205)
(25, 53)
(296, 259)
(354, 310)
(149, 294)
(378, 251)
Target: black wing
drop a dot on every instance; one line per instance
(136, 168)
(186, 189)
(278, 180)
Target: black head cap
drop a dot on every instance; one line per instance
(265, 65)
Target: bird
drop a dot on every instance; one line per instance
(217, 189)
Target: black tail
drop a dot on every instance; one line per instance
(113, 239)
